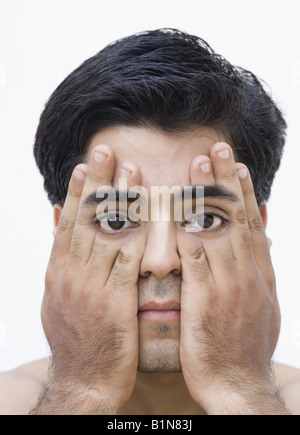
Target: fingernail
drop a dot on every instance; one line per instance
(124, 173)
(243, 173)
(79, 174)
(99, 157)
(205, 167)
(224, 154)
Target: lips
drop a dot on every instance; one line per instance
(161, 306)
(162, 311)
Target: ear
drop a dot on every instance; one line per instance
(264, 214)
(56, 215)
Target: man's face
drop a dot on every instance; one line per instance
(164, 160)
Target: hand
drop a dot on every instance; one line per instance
(230, 316)
(90, 306)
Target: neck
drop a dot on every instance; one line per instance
(161, 394)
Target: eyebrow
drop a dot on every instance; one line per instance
(119, 196)
(210, 192)
(215, 191)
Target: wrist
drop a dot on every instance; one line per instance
(62, 399)
(245, 397)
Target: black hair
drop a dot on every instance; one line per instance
(167, 80)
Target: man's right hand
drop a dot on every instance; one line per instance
(90, 306)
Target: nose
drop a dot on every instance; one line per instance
(161, 256)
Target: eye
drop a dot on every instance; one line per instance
(205, 222)
(114, 223)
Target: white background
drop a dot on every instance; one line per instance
(41, 42)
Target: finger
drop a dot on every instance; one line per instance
(123, 278)
(260, 243)
(225, 174)
(106, 247)
(128, 183)
(64, 231)
(129, 177)
(201, 173)
(197, 279)
(100, 173)
(224, 168)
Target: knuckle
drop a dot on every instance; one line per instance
(246, 241)
(250, 277)
(199, 267)
(123, 258)
(81, 219)
(75, 250)
(230, 175)
(121, 273)
(65, 225)
(270, 278)
(67, 281)
(256, 224)
(50, 277)
(198, 253)
(240, 216)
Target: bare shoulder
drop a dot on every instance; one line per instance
(21, 387)
(288, 381)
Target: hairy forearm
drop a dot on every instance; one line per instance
(258, 406)
(63, 401)
(254, 399)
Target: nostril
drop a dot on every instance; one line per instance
(145, 274)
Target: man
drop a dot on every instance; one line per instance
(158, 316)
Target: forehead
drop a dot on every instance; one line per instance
(163, 159)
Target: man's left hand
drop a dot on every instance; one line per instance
(230, 317)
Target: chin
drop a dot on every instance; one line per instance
(160, 356)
